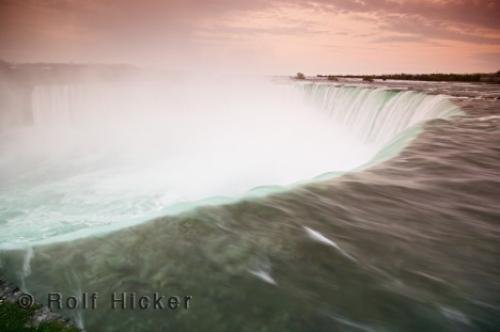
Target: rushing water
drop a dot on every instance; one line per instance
(404, 238)
(104, 156)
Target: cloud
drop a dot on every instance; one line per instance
(400, 39)
(417, 20)
(475, 22)
(424, 29)
(274, 33)
(481, 13)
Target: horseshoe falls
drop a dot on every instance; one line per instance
(114, 154)
(273, 205)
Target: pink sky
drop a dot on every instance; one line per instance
(258, 36)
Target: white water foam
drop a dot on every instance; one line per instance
(26, 269)
(265, 276)
(317, 236)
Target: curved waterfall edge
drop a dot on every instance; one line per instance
(387, 151)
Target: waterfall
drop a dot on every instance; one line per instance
(377, 115)
(53, 104)
(114, 154)
(73, 279)
(26, 268)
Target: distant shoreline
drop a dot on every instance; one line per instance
(434, 77)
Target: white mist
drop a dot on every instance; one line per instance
(115, 153)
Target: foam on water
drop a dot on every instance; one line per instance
(317, 236)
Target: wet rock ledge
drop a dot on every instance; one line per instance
(19, 312)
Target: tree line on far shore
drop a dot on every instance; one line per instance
(434, 77)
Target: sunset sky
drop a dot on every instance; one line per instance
(258, 36)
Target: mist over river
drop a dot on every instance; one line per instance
(274, 205)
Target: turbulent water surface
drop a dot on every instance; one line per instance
(319, 207)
